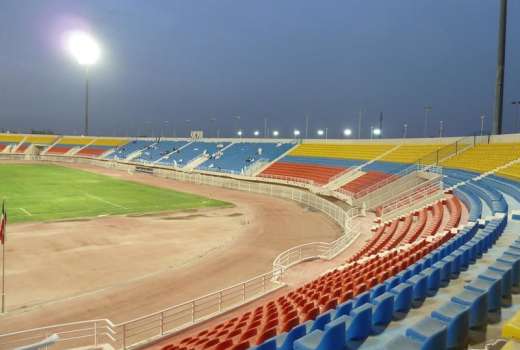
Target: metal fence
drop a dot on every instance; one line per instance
(417, 197)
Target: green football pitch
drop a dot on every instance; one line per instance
(51, 192)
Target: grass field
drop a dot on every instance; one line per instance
(51, 192)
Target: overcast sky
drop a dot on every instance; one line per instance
(170, 60)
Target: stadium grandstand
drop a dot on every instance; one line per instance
(437, 267)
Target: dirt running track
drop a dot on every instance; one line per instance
(123, 267)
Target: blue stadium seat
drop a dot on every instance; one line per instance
(456, 319)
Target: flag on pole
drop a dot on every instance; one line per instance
(3, 224)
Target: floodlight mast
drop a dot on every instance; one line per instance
(86, 52)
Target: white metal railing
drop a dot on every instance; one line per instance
(406, 171)
(412, 199)
(69, 335)
(319, 250)
(288, 179)
(146, 328)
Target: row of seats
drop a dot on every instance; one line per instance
(126, 150)
(101, 146)
(191, 151)
(464, 318)
(239, 156)
(366, 181)
(341, 151)
(158, 150)
(484, 157)
(411, 153)
(317, 174)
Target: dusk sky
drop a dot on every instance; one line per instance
(170, 60)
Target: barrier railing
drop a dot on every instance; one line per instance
(288, 179)
(411, 199)
(318, 250)
(69, 335)
(181, 316)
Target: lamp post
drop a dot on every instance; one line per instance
(214, 122)
(482, 117)
(86, 51)
(427, 110)
(517, 122)
(441, 128)
(188, 121)
(405, 130)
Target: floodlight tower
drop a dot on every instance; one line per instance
(86, 51)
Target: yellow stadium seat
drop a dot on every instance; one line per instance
(341, 151)
(110, 142)
(511, 328)
(12, 138)
(41, 139)
(411, 153)
(485, 157)
(75, 140)
(512, 172)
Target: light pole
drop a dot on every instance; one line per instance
(237, 122)
(405, 130)
(86, 51)
(214, 122)
(517, 122)
(188, 121)
(482, 117)
(307, 126)
(441, 128)
(427, 110)
(320, 132)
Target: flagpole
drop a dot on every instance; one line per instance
(3, 276)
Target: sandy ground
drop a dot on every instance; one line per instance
(123, 267)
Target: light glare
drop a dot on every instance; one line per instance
(276, 133)
(296, 132)
(347, 132)
(320, 132)
(256, 133)
(377, 132)
(84, 48)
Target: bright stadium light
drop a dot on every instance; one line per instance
(296, 132)
(376, 131)
(239, 133)
(276, 133)
(83, 48)
(347, 132)
(321, 132)
(256, 133)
